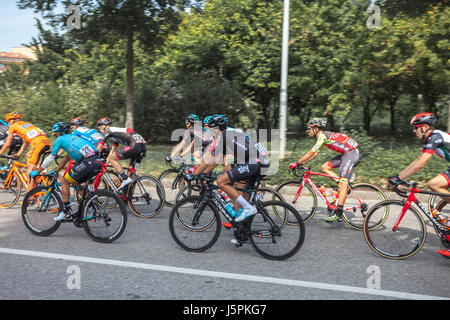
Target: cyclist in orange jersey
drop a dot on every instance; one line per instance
(31, 136)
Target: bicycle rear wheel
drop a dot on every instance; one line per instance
(194, 224)
(39, 208)
(397, 244)
(146, 197)
(360, 199)
(104, 223)
(305, 203)
(267, 235)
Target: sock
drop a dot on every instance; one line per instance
(243, 202)
(123, 175)
(339, 210)
(66, 207)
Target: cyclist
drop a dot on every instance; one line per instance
(16, 142)
(435, 142)
(249, 157)
(31, 135)
(198, 138)
(82, 152)
(92, 135)
(349, 156)
(134, 147)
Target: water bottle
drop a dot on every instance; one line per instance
(439, 217)
(323, 190)
(230, 210)
(225, 196)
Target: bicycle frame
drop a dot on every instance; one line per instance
(305, 178)
(21, 176)
(412, 198)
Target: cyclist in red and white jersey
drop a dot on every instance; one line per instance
(345, 161)
(435, 142)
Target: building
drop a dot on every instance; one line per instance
(17, 55)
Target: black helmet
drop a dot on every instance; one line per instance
(104, 121)
(192, 118)
(77, 122)
(317, 123)
(424, 118)
(218, 120)
(61, 127)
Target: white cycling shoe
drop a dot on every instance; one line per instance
(246, 213)
(125, 182)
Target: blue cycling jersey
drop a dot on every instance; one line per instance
(92, 135)
(76, 147)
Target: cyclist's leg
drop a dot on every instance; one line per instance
(349, 159)
(440, 183)
(328, 167)
(38, 147)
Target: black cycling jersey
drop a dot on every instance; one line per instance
(16, 142)
(125, 136)
(201, 136)
(438, 142)
(243, 147)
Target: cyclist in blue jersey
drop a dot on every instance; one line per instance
(83, 153)
(92, 135)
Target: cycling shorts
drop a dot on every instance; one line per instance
(240, 172)
(38, 146)
(84, 170)
(345, 162)
(136, 151)
(446, 175)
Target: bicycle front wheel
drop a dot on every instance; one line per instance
(39, 209)
(304, 202)
(167, 179)
(146, 197)
(195, 224)
(10, 191)
(104, 223)
(361, 197)
(268, 238)
(400, 243)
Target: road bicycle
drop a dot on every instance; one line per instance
(195, 222)
(402, 232)
(145, 194)
(302, 194)
(14, 182)
(102, 224)
(172, 180)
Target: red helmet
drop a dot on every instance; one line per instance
(104, 121)
(424, 118)
(76, 122)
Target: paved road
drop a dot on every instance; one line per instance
(145, 263)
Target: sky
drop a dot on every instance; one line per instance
(17, 26)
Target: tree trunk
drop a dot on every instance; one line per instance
(129, 118)
(366, 116)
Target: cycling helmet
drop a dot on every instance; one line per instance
(104, 121)
(192, 118)
(77, 122)
(61, 127)
(424, 118)
(13, 115)
(205, 121)
(317, 123)
(218, 120)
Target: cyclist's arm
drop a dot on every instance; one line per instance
(63, 163)
(189, 148)
(308, 157)
(415, 166)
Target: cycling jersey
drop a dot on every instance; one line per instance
(92, 135)
(125, 136)
(26, 131)
(200, 135)
(16, 142)
(338, 142)
(438, 142)
(76, 147)
(243, 147)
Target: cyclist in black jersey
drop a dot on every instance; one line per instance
(16, 142)
(435, 142)
(249, 158)
(134, 147)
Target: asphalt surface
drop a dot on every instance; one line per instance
(334, 263)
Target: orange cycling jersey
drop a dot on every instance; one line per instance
(25, 130)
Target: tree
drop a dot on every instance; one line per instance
(111, 20)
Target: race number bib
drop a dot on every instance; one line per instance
(33, 133)
(87, 151)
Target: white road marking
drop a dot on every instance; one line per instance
(225, 275)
